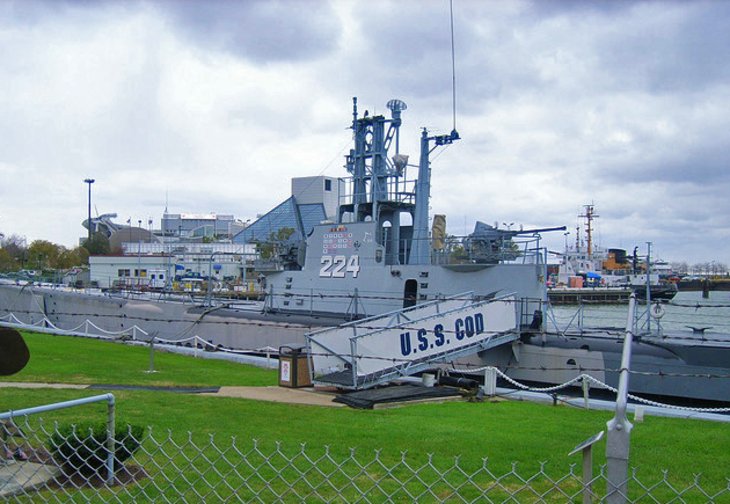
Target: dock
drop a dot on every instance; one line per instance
(561, 296)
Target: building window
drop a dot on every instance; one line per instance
(122, 273)
(327, 185)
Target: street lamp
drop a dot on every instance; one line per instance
(139, 253)
(89, 181)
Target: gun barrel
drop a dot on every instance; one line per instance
(538, 230)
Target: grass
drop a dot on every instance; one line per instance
(504, 432)
(66, 359)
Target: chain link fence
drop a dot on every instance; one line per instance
(62, 463)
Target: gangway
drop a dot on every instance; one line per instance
(375, 350)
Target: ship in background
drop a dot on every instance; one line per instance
(589, 272)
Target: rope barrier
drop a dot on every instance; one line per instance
(595, 382)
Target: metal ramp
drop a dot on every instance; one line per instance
(376, 350)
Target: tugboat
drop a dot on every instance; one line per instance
(588, 272)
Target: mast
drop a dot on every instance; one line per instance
(589, 215)
(421, 245)
(368, 161)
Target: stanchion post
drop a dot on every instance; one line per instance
(490, 381)
(152, 356)
(619, 428)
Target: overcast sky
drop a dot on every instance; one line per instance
(212, 106)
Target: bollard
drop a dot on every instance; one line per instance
(639, 414)
(490, 381)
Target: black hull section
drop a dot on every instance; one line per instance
(657, 292)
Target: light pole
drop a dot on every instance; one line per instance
(89, 181)
(139, 253)
(209, 301)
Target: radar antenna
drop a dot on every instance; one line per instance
(396, 105)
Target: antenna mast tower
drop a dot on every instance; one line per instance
(589, 215)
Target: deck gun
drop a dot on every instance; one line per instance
(490, 245)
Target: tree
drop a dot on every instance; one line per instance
(44, 254)
(16, 247)
(7, 261)
(270, 248)
(680, 267)
(97, 245)
(71, 258)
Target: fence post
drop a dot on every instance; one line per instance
(152, 355)
(619, 428)
(110, 441)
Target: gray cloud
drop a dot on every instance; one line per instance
(258, 30)
(219, 103)
(679, 48)
(37, 12)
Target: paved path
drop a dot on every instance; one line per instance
(20, 477)
(308, 396)
(41, 385)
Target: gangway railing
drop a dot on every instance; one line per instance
(379, 349)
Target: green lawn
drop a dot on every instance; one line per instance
(503, 431)
(65, 359)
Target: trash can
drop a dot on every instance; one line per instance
(294, 366)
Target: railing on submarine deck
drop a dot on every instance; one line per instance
(397, 190)
(460, 250)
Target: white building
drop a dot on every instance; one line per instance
(157, 265)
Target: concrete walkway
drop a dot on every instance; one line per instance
(19, 477)
(307, 396)
(35, 385)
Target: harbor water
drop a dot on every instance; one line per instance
(687, 310)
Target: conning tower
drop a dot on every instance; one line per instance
(380, 189)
